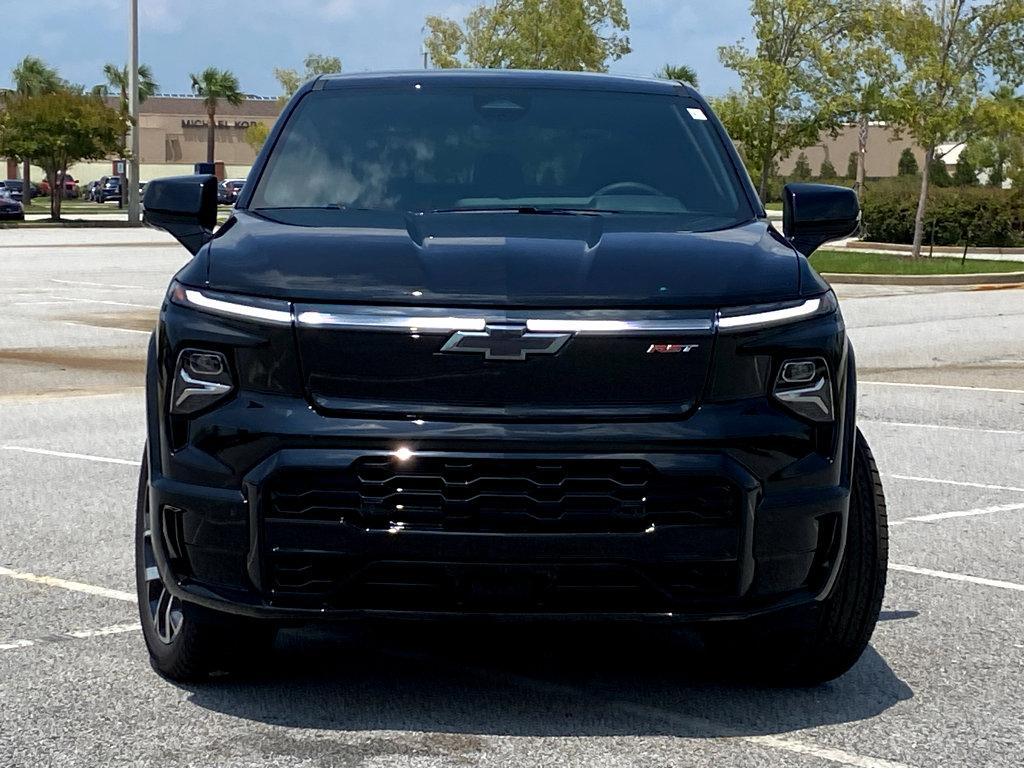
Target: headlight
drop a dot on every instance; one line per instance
(756, 316)
(231, 305)
(803, 385)
(201, 378)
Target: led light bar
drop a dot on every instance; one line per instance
(237, 306)
(769, 317)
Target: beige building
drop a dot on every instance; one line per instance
(173, 138)
(173, 129)
(881, 159)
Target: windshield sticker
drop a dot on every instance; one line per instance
(696, 113)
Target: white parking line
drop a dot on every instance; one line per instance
(941, 387)
(126, 627)
(960, 513)
(957, 577)
(939, 427)
(969, 484)
(91, 283)
(19, 644)
(72, 455)
(62, 301)
(66, 584)
(113, 303)
(22, 643)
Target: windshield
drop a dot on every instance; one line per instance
(522, 150)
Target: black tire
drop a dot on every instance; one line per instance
(186, 642)
(822, 642)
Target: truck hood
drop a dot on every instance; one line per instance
(501, 259)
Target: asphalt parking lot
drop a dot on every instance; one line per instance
(941, 402)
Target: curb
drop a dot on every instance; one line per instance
(867, 245)
(970, 279)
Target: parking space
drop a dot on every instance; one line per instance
(941, 403)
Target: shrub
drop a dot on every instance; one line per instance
(802, 168)
(938, 174)
(965, 175)
(981, 216)
(908, 163)
(851, 166)
(827, 169)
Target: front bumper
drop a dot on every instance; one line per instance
(228, 547)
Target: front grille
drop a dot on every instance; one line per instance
(336, 581)
(500, 496)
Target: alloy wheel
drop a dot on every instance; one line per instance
(164, 609)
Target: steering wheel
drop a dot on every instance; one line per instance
(620, 187)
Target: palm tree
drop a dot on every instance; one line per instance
(213, 85)
(681, 72)
(33, 77)
(118, 82)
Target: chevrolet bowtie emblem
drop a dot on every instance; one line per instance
(505, 341)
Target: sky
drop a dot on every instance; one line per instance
(252, 37)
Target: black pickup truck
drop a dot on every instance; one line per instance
(505, 344)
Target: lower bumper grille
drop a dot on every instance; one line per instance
(317, 580)
(500, 496)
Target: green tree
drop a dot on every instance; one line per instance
(33, 77)
(256, 134)
(680, 72)
(907, 163)
(827, 171)
(802, 168)
(315, 64)
(56, 130)
(118, 82)
(944, 50)
(790, 78)
(851, 166)
(582, 35)
(865, 72)
(1000, 135)
(965, 175)
(214, 85)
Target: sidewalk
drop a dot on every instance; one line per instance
(59, 237)
(899, 249)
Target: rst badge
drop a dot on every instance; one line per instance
(672, 347)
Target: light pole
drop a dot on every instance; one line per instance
(133, 112)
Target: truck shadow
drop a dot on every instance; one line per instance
(530, 681)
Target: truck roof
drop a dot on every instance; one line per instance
(595, 81)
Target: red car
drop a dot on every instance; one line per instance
(70, 187)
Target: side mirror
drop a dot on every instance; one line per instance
(813, 214)
(185, 206)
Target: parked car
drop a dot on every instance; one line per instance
(70, 188)
(14, 188)
(90, 191)
(10, 207)
(526, 345)
(224, 198)
(234, 187)
(111, 190)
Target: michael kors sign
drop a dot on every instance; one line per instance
(240, 125)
